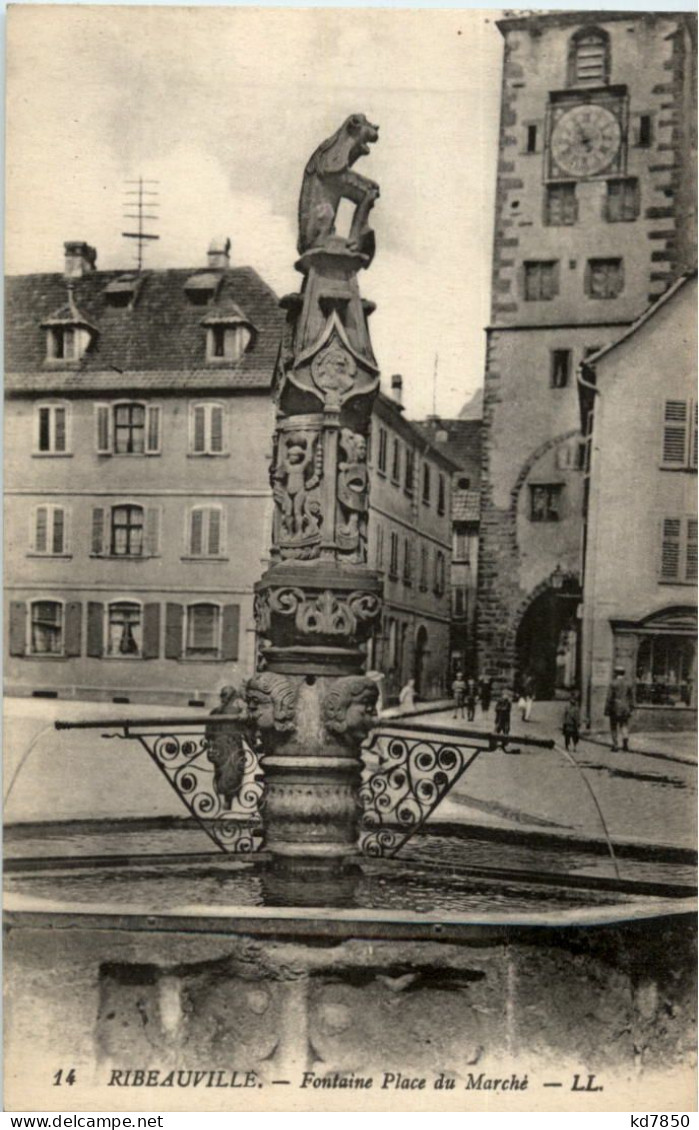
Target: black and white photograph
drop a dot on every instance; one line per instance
(350, 475)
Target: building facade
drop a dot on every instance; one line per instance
(595, 217)
(410, 547)
(460, 440)
(640, 577)
(138, 507)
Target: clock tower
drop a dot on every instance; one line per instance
(595, 216)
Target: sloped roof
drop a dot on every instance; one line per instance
(463, 439)
(466, 506)
(650, 312)
(157, 342)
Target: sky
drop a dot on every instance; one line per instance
(223, 107)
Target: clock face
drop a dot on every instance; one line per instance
(585, 140)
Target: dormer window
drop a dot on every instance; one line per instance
(123, 291)
(202, 288)
(68, 332)
(228, 334)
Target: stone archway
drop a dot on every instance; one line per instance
(543, 637)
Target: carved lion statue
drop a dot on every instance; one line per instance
(328, 178)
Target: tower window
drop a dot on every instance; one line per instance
(622, 202)
(645, 131)
(545, 502)
(531, 139)
(604, 278)
(588, 58)
(540, 280)
(561, 205)
(560, 367)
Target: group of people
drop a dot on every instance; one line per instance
(467, 694)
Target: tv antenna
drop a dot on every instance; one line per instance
(434, 384)
(146, 199)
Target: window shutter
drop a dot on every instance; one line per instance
(18, 627)
(73, 628)
(152, 539)
(59, 417)
(214, 546)
(671, 548)
(196, 521)
(98, 530)
(691, 566)
(216, 428)
(95, 629)
(41, 530)
(153, 429)
(173, 631)
(58, 531)
(151, 631)
(231, 631)
(102, 429)
(199, 436)
(675, 432)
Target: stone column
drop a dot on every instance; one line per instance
(318, 603)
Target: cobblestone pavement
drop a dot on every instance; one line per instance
(647, 795)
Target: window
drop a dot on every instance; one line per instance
(541, 280)
(622, 202)
(588, 58)
(51, 429)
(644, 133)
(46, 628)
(460, 602)
(48, 530)
(63, 343)
(531, 138)
(678, 557)
(439, 573)
(393, 567)
(665, 670)
(129, 530)
(205, 531)
(124, 629)
(604, 278)
(206, 429)
(560, 367)
(424, 567)
(127, 428)
(561, 205)
(383, 445)
(379, 548)
(395, 466)
(545, 501)
(409, 470)
(426, 485)
(407, 562)
(679, 435)
(441, 495)
(590, 349)
(460, 550)
(463, 483)
(203, 631)
(227, 342)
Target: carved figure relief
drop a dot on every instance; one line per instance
(328, 178)
(352, 496)
(294, 481)
(227, 747)
(333, 371)
(271, 702)
(349, 708)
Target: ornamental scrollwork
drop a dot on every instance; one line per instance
(325, 613)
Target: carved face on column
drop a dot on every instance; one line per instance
(349, 709)
(271, 702)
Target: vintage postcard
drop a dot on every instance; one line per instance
(351, 560)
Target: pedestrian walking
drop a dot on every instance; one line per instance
(619, 707)
(526, 698)
(471, 695)
(503, 709)
(486, 693)
(406, 698)
(458, 689)
(571, 722)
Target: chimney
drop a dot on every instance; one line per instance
(80, 258)
(397, 388)
(219, 254)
